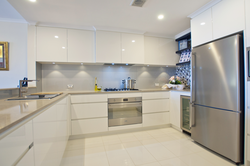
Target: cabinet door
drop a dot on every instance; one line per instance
(14, 145)
(28, 159)
(201, 28)
(132, 48)
(80, 46)
(108, 47)
(150, 106)
(228, 18)
(152, 51)
(247, 7)
(155, 119)
(51, 44)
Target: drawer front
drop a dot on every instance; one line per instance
(63, 101)
(88, 98)
(150, 106)
(155, 95)
(15, 144)
(89, 126)
(28, 159)
(156, 119)
(91, 110)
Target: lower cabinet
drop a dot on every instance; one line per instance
(28, 159)
(51, 134)
(248, 147)
(16, 144)
(150, 106)
(155, 119)
(88, 126)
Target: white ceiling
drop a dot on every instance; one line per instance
(116, 15)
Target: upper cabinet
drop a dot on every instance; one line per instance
(201, 28)
(132, 48)
(108, 47)
(81, 46)
(225, 18)
(51, 44)
(160, 51)
(247, 7)
(228, 18)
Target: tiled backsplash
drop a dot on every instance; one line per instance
(57, 77)
(184, 72)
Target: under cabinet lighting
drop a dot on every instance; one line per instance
(203, 23)
(133, 41)
(56, 37)
(160, 17)
(166, 66)
(113, 64)
(127, 64)
(147, 65)
(81, 63)
(53, 63)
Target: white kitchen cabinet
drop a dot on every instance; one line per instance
(87, 126)
(151, 106)
(132, 48)
(108, 47)
(155, 95)
(201, 28)
(15, 144)
(228, 18)
(81, 46)
(160, 51)
(175, 110)
(247, 18)
(89, 98)
(51, 134)
(51, 44)
(89, 110)
(28, 159)
(155, 119)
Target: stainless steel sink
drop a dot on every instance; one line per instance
(35, 97)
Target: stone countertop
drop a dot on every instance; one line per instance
(15, 111)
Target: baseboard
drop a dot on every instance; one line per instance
(72, 137)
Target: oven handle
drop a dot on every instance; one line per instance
(125, 105)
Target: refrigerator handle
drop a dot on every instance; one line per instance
(192, 97)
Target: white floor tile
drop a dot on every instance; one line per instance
(172, 162)
(195, 160)
(119, 158)
(151, 164)
(140, 155)
(96, 159)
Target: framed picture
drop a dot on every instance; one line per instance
(4, 56)
(183, 44)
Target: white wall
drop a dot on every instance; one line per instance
(16, 35)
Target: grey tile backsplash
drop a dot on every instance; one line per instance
(57, 77)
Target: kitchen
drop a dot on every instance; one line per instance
(82, 126)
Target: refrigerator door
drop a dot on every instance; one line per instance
(215, 69)
(218, 130)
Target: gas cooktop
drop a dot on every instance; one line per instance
(122, 89)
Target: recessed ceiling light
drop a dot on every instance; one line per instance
(203, 23)
(123, 49)
(32, 0)
(53, 63)
(56, 37)
(133, 41)
(63, 47)
(160, 17)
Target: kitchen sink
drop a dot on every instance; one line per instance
(36, 97)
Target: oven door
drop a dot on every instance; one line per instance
(125, 114)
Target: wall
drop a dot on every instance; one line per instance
(56, 77)
(16, 35)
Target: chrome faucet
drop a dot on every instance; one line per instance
(23, 89)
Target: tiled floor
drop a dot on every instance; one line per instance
(159, 147)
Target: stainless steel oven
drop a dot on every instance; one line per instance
(124, 111)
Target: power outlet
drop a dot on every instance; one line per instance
(70, 86)
(157, 84)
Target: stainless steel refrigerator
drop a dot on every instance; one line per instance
(217, 100)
